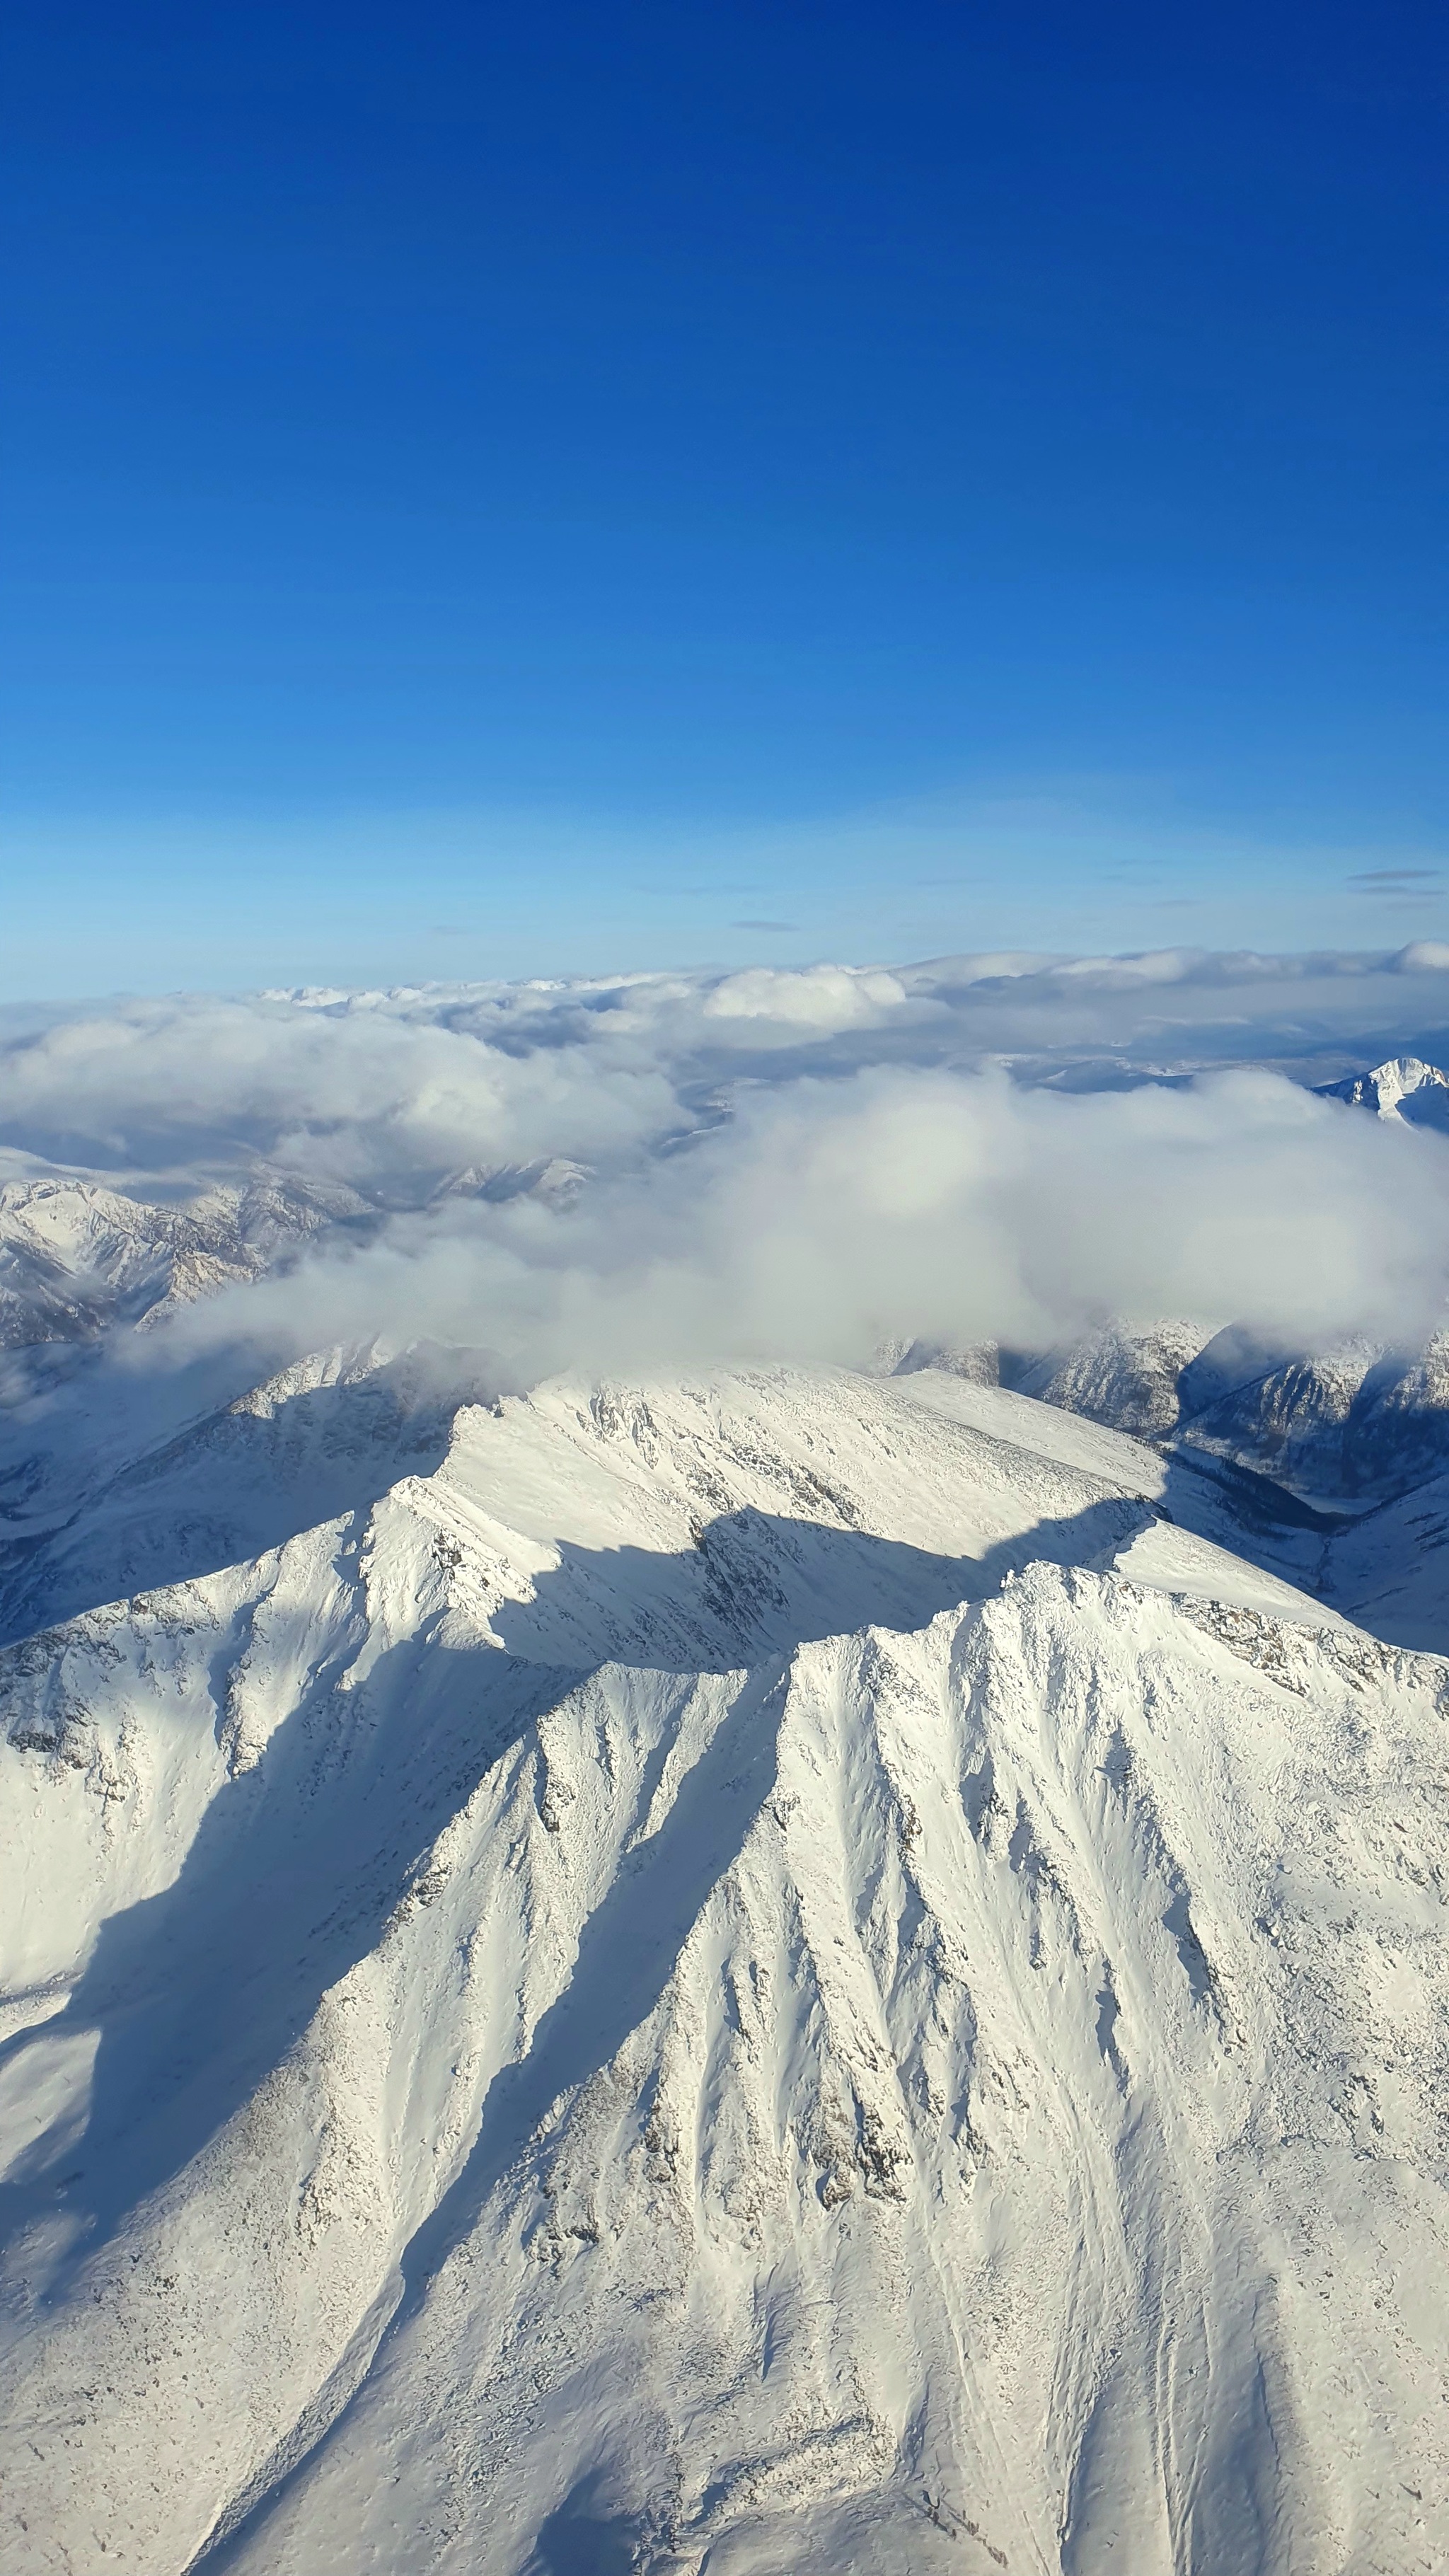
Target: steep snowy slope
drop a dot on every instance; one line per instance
(711, 1984)
(1405, 1088)
(1346, 1427)
(110, 1494)
(1390, 1570)
(1130, 1379)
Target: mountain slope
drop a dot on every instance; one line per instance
(1390, 1569)
(113, 1496)
(76, 1257)
(711, 1983)
(1405, 1088)
(1345, 1428)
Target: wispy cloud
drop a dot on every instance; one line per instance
(1380, 880)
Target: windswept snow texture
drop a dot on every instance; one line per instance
(723, 1776)
(760, 1971)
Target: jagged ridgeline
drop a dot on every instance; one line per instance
(749, 1970)
(771, 1970)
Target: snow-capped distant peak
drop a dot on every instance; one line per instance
(1387, 1085)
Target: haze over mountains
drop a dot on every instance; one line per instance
(724, 1774)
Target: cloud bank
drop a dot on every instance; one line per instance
(783, 1163)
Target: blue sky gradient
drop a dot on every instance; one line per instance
(498, 491)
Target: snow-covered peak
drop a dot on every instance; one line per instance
(76, 1257)
(1388, 1086)
(763, 1970)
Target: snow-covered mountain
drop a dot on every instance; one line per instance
(1344, 1432)
(117, 1493)
(764, 1970)
(1355, 1425)
(724, 1969)
(76, 1257)
(1404, 1088)
(1348, 1427)
(79, 1259)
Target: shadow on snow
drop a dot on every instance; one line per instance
(200, 1991)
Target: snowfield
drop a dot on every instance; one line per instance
(766, 1971)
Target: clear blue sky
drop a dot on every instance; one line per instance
(491, 490)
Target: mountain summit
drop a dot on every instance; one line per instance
(1404, 1087)
(765, 1970)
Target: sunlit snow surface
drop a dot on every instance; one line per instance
(836, 1963)
(762, 1971)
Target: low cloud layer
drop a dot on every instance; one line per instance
(823, 1219)
(784, 1163)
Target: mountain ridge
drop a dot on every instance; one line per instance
(775, 2097)
(1401, 1080)
(713, 1970)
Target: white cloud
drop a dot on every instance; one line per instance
(352, 1091)
(828, 1216)
(822, 998)
(796, 1163)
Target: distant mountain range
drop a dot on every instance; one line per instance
(77, 1258)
